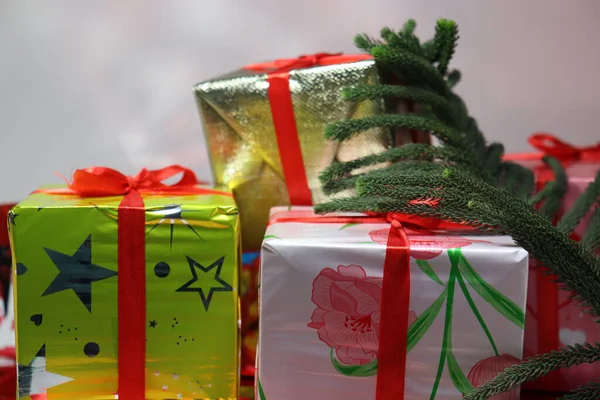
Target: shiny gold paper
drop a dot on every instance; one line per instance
(242, 144)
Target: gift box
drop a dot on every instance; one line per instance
(127, 286)
(264, 127)
(554, 318)
(356, 306)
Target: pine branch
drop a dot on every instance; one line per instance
(439, 105)
(407, 152)
(365, 43)
(581, 207)
(469, 200)
(591, 391)
(493, 158)
(554, 198)
(446, 36)
(591, 238)
(536, 367)
(346, 129)
(453, 78)
(409, 66)
(402, 41)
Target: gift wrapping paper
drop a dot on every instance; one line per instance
(65, 279)
(7, 331)
(554, 319)
(242, 140)
(320, 294)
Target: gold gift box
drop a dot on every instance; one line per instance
(243, 147)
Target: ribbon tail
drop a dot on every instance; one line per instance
(393, 337)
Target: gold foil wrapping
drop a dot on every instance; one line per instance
(241, 138)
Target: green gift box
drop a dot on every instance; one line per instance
(73, 258)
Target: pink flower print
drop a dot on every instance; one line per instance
(348, 311)
(487, 369)
(425, 245)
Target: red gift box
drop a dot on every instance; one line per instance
(554, 319)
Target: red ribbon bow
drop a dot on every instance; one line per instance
(550, 145)
(284, 120)
(391, 362)
(102, 182)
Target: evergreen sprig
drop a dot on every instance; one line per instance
(466, 181)
(591, 391)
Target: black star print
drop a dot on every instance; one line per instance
(153, 323)
(77, 272)
(223, 286)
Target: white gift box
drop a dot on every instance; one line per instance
(320, 291)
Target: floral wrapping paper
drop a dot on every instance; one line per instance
(65, 274)
(572, 324)
(319, 310)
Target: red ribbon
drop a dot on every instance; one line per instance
(101, 182)
(284, 120)
(549, 145)
(395, 299)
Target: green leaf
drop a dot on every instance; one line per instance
(500, 302)
(475, 310)
(271, 237)
(261, 392)
(460, 381)
(348, 225)
(428, 270)
(422, 324)
(358, 370)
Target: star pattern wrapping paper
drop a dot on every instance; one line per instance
(242, 143)
(66, 273)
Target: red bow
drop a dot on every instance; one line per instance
(306, 61)
(103, 181)
(550, 145)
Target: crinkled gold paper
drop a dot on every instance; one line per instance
(243, 148)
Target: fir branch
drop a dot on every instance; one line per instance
(517, 179)
(343, 130)
(439, 105)
(338, 184)
(453, 78)
(402, 42)
(409, 27)
(485, 205)
(493, 158)
(411, 151)
(446, 36)
(591, 391)
(536, 367)
(365, 42)
(407, 65)
(591, 238)
(554, 198)
(581, 207)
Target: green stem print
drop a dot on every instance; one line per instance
(475, 310)
(447, 339)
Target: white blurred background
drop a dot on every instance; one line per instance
(108, 82)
